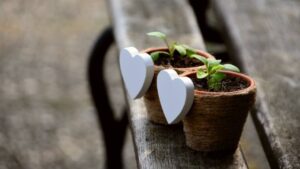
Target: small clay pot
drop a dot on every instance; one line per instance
(216, 119)
(155, 113)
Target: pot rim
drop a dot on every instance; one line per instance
(250, 81)
(199, 52)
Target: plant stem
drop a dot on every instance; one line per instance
(167, 43)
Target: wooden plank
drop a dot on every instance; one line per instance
(160, 146)
(265, 36)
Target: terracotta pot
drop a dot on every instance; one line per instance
(216, 119)
(151, 99)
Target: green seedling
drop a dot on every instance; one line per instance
(212, 71)
(183, 50)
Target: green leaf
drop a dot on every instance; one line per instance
(172, 48)
(157, 34)
(189, 53)
(214, 82)
(214, 86)
(188, 48)
(180, 49)
(165, 53)
(212, 63)
(201, 74)
(216, 68)
(231, 67)
(155, 56)
(201, 58)
(217, 77)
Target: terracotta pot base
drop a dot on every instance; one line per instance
(191, 142)
(154, 110)
(216, 119)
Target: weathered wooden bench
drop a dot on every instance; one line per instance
(265, 49)
(265, 36)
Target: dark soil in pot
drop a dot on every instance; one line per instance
(229, 84)
(177, 62)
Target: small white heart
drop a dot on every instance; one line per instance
(137, 70)
(176, 95)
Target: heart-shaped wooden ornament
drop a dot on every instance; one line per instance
(176, 95)
(137, 71)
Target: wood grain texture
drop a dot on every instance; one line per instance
(264, 35)
(159, 146)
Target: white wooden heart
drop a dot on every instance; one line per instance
(137, 71)
(176, 95)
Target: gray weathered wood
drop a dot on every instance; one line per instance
(265, 36)
(47, 120)
(160, 146)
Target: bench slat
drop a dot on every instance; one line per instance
(134, 18)
(265, 37)
(160, 146)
